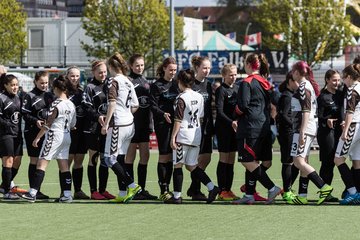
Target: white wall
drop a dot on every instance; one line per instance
(193, 31)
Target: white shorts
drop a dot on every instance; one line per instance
(56, 145)
(350, 147)
(303, 150)
(186, 154)
(118, 140)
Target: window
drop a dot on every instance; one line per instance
(36, 38)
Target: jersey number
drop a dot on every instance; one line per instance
(193, 119)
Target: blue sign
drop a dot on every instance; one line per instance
(278, 60)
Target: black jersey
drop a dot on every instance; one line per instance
(10, 115)
(330, 106)
(254, 100)
(284, 118)
(162, 96)
(35, 107)
(94, 104)
(205, 89)
(76, 98)
(225, 102)
(142, 89)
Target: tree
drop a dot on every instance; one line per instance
(12, 31)
(314, 30)
(129, 26)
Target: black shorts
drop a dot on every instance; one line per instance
(141, 135)
(206, 144)
(226, 139)
(285, 139)
(29, 138)
(250, 149)
(78, 145)
(95, 142)
(12, 146)
(163, 136)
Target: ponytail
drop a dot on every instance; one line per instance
(305, 71)
(259, 63)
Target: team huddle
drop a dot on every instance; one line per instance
(114, 116)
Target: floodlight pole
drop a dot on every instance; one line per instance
(172, 48)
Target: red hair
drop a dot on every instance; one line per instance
(304, 70)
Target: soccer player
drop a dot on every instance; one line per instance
(61, 119)
(225, 129)
(163, 93)
(305, 121)
(186, 137)
(95, 107)
(253, 132)
(284, 123)
(35, 108)
(330, 113)
(11, 141)
(202, 85)
(349, 141)
(119, 126)
(142, 119)
(77, 149)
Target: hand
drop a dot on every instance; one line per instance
(167, 117)
(344, 136)
(301, 139)
(104, 130)
(342, 124)
(330, 122)
(101, 120)
(35, 142)
(173, 144)
(234, 125)
(40, 123)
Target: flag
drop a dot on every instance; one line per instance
(231, 35)
(253, 39)
(280, 36)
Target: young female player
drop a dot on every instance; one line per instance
(35, 108)
(119, 125)
(11, 141)
(142, 126)
(163, 93)
(202, 85)
(253, 132)
(349, 141)
(57, 127)
(225, 129)
(304, 110)
(95, 106)
(330, 110)
(186, 137)
(77, 148)
(284, 123)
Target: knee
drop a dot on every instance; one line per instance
(338, 161)
(267, 164)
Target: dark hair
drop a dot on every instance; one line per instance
(283, 85)
(196, 61)
(118, 63)
(167, 61)
(63, 84)
(356, 59)
(353, 70)
(227, 68)
(5, 79)
(186, 77)
(304, 70)
(95, 64)
(40, 74)
(258, 62)
(329, 73)
(135, 57)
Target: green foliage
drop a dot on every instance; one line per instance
(12, 31)
(315, 30)
(129, 26)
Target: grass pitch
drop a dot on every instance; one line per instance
(191, 220)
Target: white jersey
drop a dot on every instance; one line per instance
(189, 110)
(63, 115)
(352, 102)
(304, 100)
(123, 92)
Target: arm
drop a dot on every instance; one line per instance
(244, 96)
(175, 131)
(109, 114)
(88, 105)
(348, 119)
(154, 100)
(219, 104)
(284, 107)
(179, 115)
(26, 112)
(53, 114)
(134, 100)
